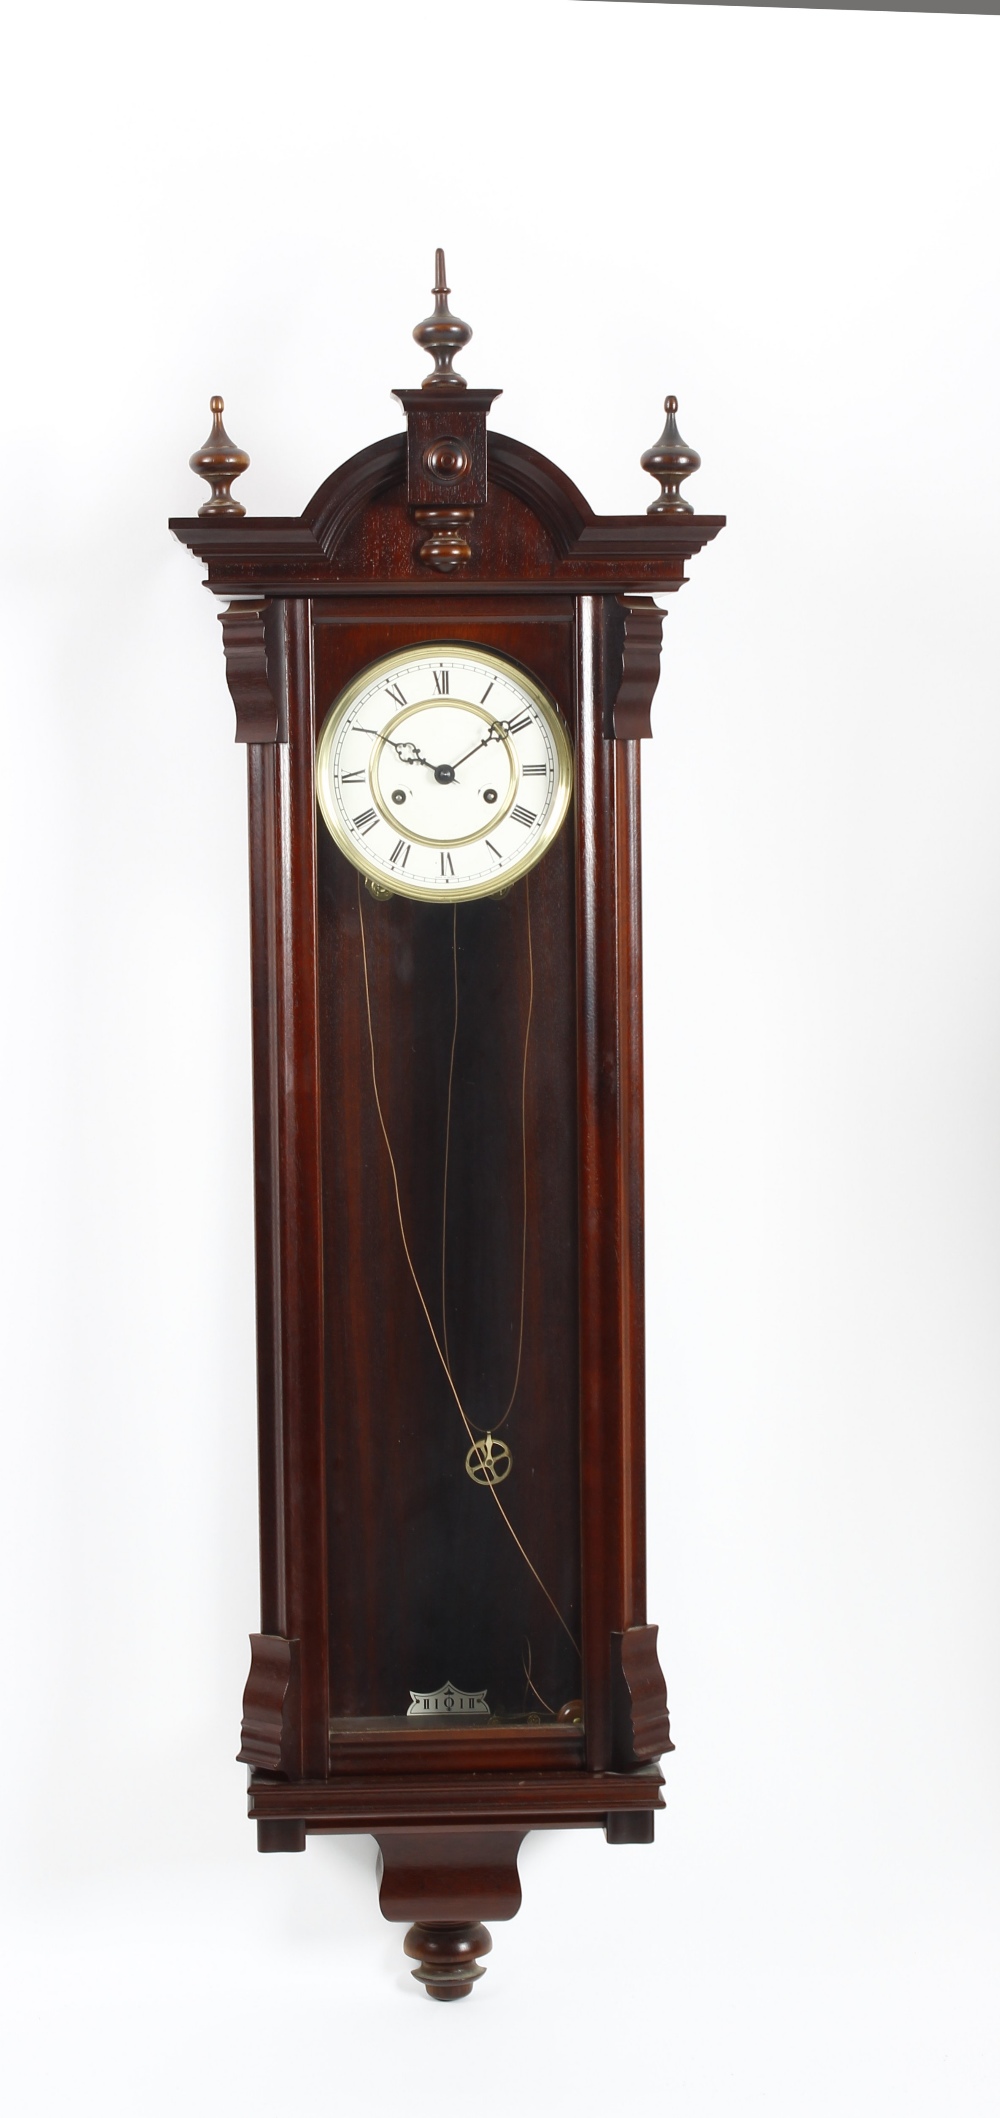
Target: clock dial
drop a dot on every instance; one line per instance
(443, 772)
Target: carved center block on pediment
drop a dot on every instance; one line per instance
(446, 447)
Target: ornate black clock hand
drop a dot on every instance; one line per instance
(407, 752)
(409, 755)
(497, 732)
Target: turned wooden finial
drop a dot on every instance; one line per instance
(670, 460)
(446, 1955)
(442, 335)
(219, 461)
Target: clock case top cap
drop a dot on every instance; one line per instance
(487, 509)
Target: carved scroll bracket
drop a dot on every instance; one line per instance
(638, 1698)
(633, 666)
(271, 1733)
(253, 636)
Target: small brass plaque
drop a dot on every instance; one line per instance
(448, 1701)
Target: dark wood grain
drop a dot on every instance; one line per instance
(612, 1339)
(537, 533)
(271, 1729)
(533, 1745)
(547, 1800)
(670, 461)
(281, 1835)
(640, 1719)
(635, 674)
(469, 1873)
(601, 1436)
(446, 448)
(446, 1956)
(288, 1191)
(626, 1827)
(442, 335)
(445, 543)
(253, 641)
(630, 1158)
(219, 461)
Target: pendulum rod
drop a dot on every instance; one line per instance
(530, 1683)
(447, 1137)
(497, 1424)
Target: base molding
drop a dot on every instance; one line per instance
(450, 1802)
(443, 1872)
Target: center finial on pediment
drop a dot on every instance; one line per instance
(443, 335)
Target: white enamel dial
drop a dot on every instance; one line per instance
(443, 772)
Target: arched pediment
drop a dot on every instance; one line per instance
(554, 500)
(348, 490)
(538, 484)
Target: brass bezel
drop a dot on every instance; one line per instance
(443, 892)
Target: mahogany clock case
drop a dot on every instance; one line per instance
(390, 1037)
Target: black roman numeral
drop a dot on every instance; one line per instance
(346, 777)
(534, 771)
(486, 693)
(447, 864)
(493, 849)
(366, 821)
(515, 727)
(394, 692)
(441, 680)
(523, 816)
(402, 846)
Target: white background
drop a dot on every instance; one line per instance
(789, 219)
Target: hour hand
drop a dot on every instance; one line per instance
(406, 752)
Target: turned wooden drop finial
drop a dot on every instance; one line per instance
(446, 1953)
(219, 461)
(670, 461)
(442, 335)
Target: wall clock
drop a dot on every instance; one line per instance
(442, 672)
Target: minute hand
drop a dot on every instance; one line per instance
(497, 730)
